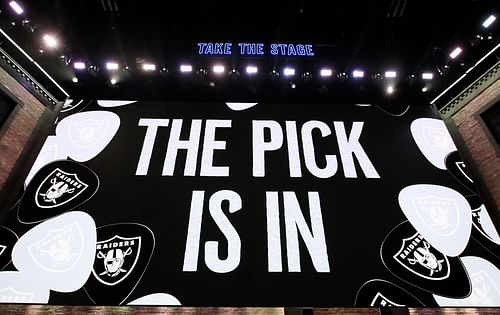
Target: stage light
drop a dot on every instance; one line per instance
(111, 65)
(149, 67)
(425, 89)
(289, 71)
(74, 79)
(16, 7)
(274, 74)
(50, 40)
(186, 68)
(358, 74)
(325, 72)
(234, 74)
(390, 89)
(427, 76)
(455, 52)
(293, 85)
(390, 74)
(79, 65)
(489, 21)
(251, 69)
(113, 81)
(306, 76)
(218, 69)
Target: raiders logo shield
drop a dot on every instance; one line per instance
(87, 132)
(438, 138)
(123, 252)
(382, 293)
(17, 288)
(457, 168)
(58, 189)
(422, 259)
(439, 214)
(410, 257)
(59, 250)
(116, 258)
(10, 295)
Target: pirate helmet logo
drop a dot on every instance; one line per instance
(380, 300)
(59, 250)
(116, 258)
(438, 214)
(419, 257)
(58, 188)
(87, 132)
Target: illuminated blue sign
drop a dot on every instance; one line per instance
(255, 49)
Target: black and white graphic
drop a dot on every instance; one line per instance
(419, 257)
(70, 104)
(485, 279)
(119, 256)
(481, 220)
(438, 213)
(7, 240)
(57, 187)
(123, 252)
(234, 204)
(458, 170)
(59, 252)
(382, 293)
(84, 135)
(409, 256)
(433, 140)
(16, 288)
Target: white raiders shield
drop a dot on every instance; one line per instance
(58, 188)
(438, 138)
(59, 250)
(440, 215)
(116, 258)
(86, 133)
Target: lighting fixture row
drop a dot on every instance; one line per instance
(250, 70)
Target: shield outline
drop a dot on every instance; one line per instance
(433, 130)
(457, 164)
(130, 269)
(453, 230)
(66, 201)
(408, 239)
(77, 227)
(71, 127)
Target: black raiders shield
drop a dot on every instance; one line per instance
(57, 187)
(484, 231)
(412, 258)
(7, 240)
(458, 170)
(123, 252)
(382, 293)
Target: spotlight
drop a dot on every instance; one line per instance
(390, 74)
(390, 89)
(74, 80)
(186, 68)
(79, 65)
(455, 52)
(113, 81)
(427, 75)
(489, 21)
(50, 40)
(202, 73)
(251, 69)
(274, 74)
(233, 74)
(111, 65)
(425, 89)
(342, 76)
(218, 69)
(293, 85)
(358, 74)
(289, 71)
(306, 76)
(16, 7)
(325, 72)
(149, 67)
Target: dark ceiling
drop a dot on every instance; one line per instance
(409, 36)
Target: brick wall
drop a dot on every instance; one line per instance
(20, 126)
(476, 142)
